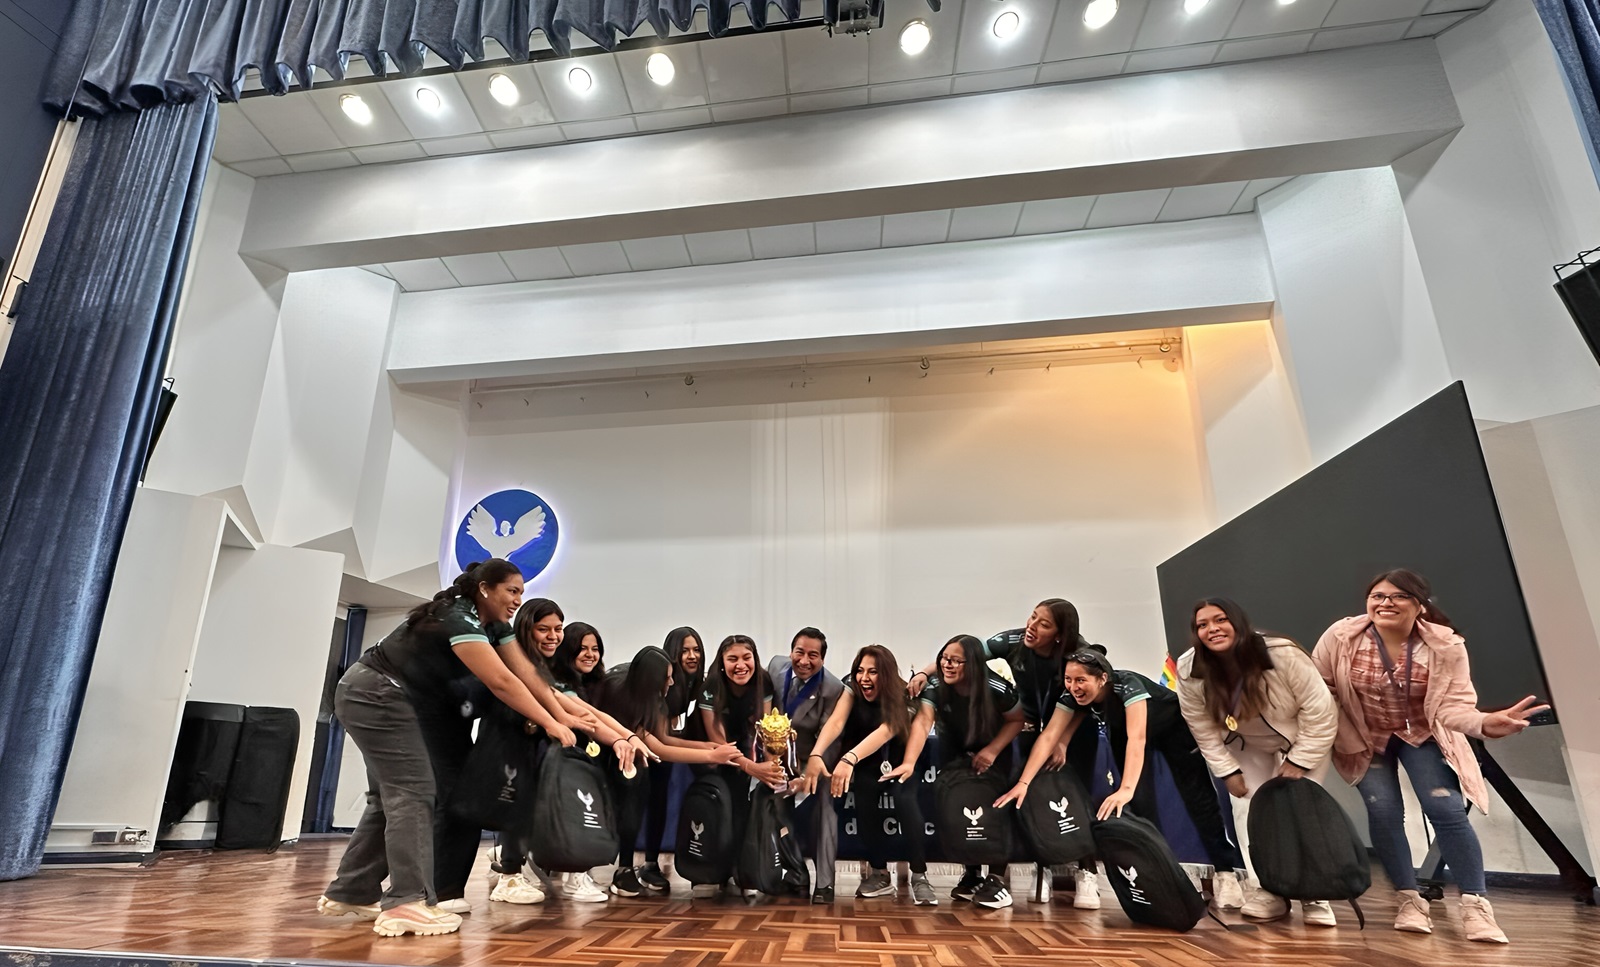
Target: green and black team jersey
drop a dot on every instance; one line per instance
(1129, 688)
(422, 657)
(950, 709)
(1038, 677)
(739, 718)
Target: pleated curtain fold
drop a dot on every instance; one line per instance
(1574, 29)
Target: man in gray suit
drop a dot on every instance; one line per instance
(807, 693)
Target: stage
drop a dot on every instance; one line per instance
(252, 906)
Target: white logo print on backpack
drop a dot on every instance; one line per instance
(1135, 894)
(1064, 823)
(973, 815)
(696, 848)
(591, 819)
(508, 792)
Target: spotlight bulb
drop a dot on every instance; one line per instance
(428, 98)
(580, 80)
(915, 37)
(355, 108)
(660, 68)
(1006, 24)
(1099, 13)
(1194, 6)
(504, 90)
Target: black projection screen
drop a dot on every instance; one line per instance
(1414, 494)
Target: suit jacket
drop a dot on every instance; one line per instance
(812, 713)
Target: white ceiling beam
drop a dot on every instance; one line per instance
(1355, 108)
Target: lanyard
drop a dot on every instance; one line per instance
(1232, 721)
(789, 705)
(1389, 669)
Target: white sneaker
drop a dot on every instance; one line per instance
(491, 874)
(457, 906)
(1265, 906)
(1088, 892)
(1227, 892)
(516, 888)
(581, 888)
(1319, 913)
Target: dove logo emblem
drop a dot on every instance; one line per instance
(508, 792)
(591, 819)
(1135, 895)
(1064, 823)
(974, 831)
(517, 525)
(696, 848)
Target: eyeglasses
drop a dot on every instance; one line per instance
(953, 662)
(1399, 597)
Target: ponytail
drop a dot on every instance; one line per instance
(493, 571)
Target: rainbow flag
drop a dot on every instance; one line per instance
(1169, 673)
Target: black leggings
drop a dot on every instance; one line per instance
(871, 817)
(655, 820)
(1176, 744)
(628, 802)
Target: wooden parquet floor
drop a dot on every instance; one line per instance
(261, 906)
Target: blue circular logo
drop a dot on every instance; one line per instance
(514, 524)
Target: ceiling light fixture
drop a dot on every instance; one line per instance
(429, 99)
(660, 68)
(504, 89)
(1006, 24)
(915, 37)
(1099, 13)
(580, 80)
(355, 108)
(1284, 3)
(1193, 7)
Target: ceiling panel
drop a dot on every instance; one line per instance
(486, 268)
(466, 144)
(849, 234)
(707, 248)
(746, 110)
(666, 120)
(1257, 47)
(384, 128)
(1358, 36)
(887, 63)
(1073, 70)
(1201, 201)
(911, 90)
(290, 124)
(237, 138)
(1054, 215)
(595, 258)
(1168, 24)
(829, 100)
(531, 107)
(744, 68)
(669, 252)
(1347, 12)
(262, 168)
(1253, 191)
(606, 98)
(608, 128)
(1428, 26)
(981, 50)
(526, 137)
(994, 80)
(985, 221)
(534, 264)
(1447, 6)
(1260, 17)
(915, 228)
(1127, 208)
(421, 275)
(686, 89)
(1071, 38)
(381, 153)
(817, 62)
(454, 116)
(1170, 58)
(322, 160)
(783, 241)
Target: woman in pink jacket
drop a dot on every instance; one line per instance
(1399, 675)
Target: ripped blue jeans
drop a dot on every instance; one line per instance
(1439, 791)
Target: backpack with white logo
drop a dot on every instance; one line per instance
(1149, 883)
(769, 858)
(1304, 845)
(1055, 818)
(703, 849)
(574, 825)
(971, 830)
(497, 782)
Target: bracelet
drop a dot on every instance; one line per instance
(1022, 782)
(813, 756)
(919, 672)
(846, 758)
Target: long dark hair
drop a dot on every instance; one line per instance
(742, 709)
(564, 663)
(891, 688)
(533, 611)
(685, 687)
(1418, 587)
(492, 572)
(633, 695)
(983, 719)
(1065, 615)
(1249, 664)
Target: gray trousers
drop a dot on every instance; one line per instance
(395, 835)
(820, 831)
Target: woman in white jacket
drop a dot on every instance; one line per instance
(1258, 708)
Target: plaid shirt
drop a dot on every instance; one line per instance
(1383, 702)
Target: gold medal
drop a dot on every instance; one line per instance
(1232, 723)
(592, 749)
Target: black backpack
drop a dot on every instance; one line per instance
(495, 790)
(1304, 846)
(770, 858)
(971, 830)
(703, 848)
(1149, 883)
(1055, 818)
(574, 824)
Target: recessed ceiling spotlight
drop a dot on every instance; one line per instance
(580, 80)
(1194, 6)
(1006, 24)
(915, 37)
(504, 89)
(428, 98)
(660, 68)
(355, 108)
(1099, 13)
(1284, 3)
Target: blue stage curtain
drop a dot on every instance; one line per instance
(131, 54)
(78, 391)
(1574, 29)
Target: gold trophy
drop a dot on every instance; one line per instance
(776, 737)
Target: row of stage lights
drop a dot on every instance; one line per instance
(914, 39)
